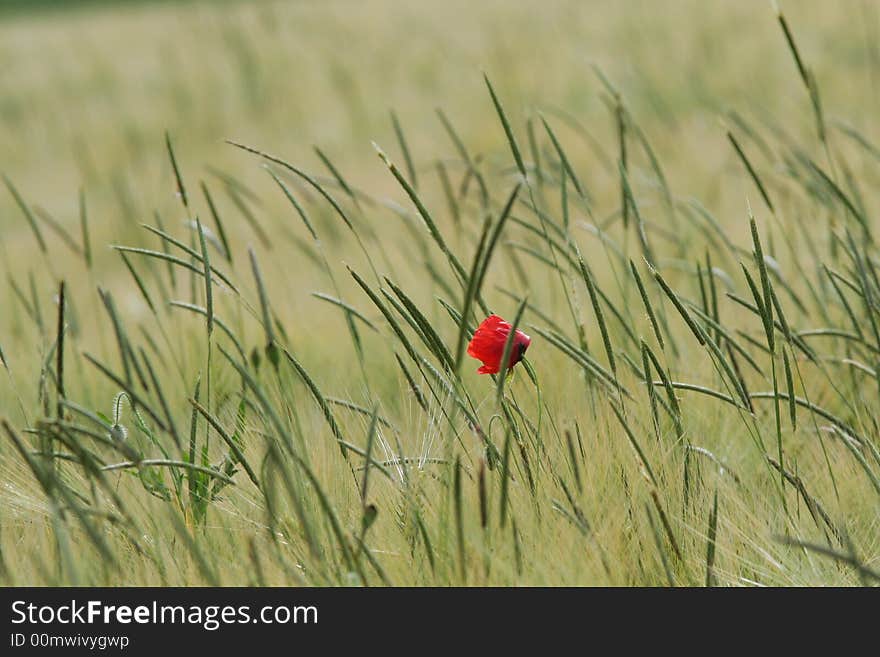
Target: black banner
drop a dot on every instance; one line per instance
(149, 620)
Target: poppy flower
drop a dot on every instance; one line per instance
(488, 342)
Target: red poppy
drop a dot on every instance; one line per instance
(488, 343)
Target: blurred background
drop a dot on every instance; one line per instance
(88, 90)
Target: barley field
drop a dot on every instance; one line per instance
(245, 247)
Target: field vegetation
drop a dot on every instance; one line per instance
(245, 244)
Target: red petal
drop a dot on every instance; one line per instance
(488, 343)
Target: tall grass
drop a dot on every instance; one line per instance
(268, 382)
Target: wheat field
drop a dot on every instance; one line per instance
(245, 245)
